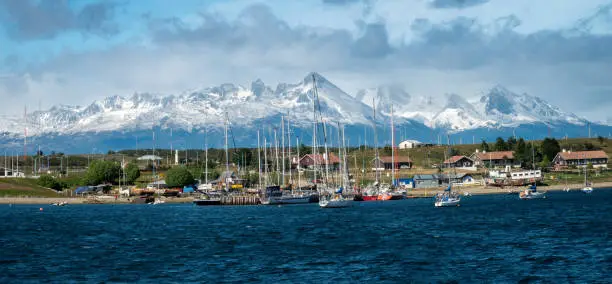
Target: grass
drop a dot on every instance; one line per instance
(15, 187)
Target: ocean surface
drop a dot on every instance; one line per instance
(564, 238)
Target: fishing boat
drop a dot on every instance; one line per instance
(532, 193)
(447, 198)
(62, 203)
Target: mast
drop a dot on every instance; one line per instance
(340, 157)
(377, 158)
(258, 161)
(289, 154)
(297, 143)
(344, 162)
(25, 139)
(326, 160)
(392, 150)
(226, 153)
(206, 154)
(283, 147)
(276, 159)
(314, 129)
(265, 161)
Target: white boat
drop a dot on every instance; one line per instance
(63, 203)
(158, 201)
(532, 193)
(336, 201)
(447, 201)
(587, 189)
(289, 199)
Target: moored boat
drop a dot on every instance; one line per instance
(208, 199)
(447, 198)
(532, 193)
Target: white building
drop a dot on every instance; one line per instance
(409, 144)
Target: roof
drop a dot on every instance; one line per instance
(149, 158)
(333, 159)
(412, 141)
(499, 155)
(398, 159)
(580, 155)
(455, 159)
(426, 177)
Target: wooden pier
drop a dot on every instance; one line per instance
(240, 200)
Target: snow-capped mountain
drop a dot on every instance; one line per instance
(498, 107)
(112, 122)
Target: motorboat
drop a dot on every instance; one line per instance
(208, 199)
(587, 189)
(532, 193)
(62, 203)
(336, 201)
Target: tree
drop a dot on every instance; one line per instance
(484, 145)
(589, 166)
(49, 182)
(500, 144)
(601, 139)
(110, 152)
(304, 149)
(102, 172)
(511, 143)
(545, 162)
(179, 177)
(453, 152)
(550, 147)
(132, 173)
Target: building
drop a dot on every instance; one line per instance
(148, 161)
(495, 159)
(409, 144)
(460, 162)
(457, 179)
(564, 159)
(308, 161)
(386, 163)
(428, 181)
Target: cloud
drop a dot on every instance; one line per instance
(29, 19)
(456, 4)
(463, 55)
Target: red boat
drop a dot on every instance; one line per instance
(369, 197)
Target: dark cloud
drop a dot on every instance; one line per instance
(374, 43)
(456, 4)
(29, 19)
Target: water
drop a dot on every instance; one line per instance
(565, 238)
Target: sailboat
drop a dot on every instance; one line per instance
(214, 198)
(448, 198)
(372, 191)
(587, 185)
(566, 188)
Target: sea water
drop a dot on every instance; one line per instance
(498, 238)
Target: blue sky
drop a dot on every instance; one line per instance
(72, 52)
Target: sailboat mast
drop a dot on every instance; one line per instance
(205, 154)
(276, 158)
(377, 158)
(283, 147)
(289, 153)
(226, 153)
(340, 156)
(265, 161)
(258, 162)
(297, 143)
(344, 162)
(326, 160)
(392, 150)
(314, 129)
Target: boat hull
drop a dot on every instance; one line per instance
(533, 195)
(210, 202)
(587, 190)
(369, 197)
(287, 200)
(342, 203)
(447, 203)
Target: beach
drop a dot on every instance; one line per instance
(412, 193)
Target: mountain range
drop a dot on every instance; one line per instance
(117, 122)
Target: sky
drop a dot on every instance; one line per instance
(73, 52)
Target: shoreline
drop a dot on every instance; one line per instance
(413, 193)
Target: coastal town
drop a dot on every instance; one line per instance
(411, 169)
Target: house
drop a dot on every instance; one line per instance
(386, 163)
(410, 144)
(308, 161)
(428, 181)
(458, 179)
(564, 159)
(494, 159)
(150, 160)
(459, 162)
